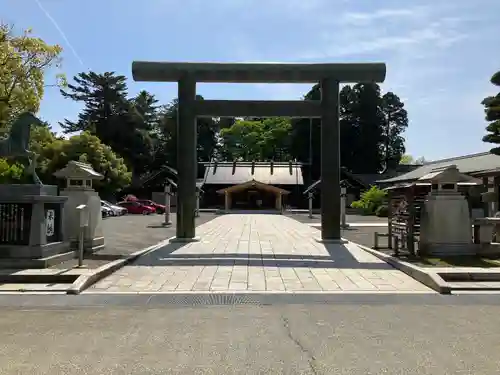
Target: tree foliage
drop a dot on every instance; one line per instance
(122, 123)
(408, 159)
(261, 139)
(364, 131)
(492, 110)
(24, 61)
(87, 148)
(10, 172)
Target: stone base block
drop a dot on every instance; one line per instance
(89, 246)
(331, 241)
(489, 249)
(22, 190)
(444, 250)
(33, 251)
(184, 240)
(26, 263)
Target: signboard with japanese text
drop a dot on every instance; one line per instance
(52, 222)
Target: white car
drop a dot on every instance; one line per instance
(116, 210)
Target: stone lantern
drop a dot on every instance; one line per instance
(79, 177)
(445, 222)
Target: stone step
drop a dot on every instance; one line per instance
(19, 263)
(34, 288)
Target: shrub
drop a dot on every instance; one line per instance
(382, 211)
(370, 200)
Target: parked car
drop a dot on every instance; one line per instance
(106, 211)
(160, 208)
(137, 208)
(117, 210)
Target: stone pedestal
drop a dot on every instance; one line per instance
(445, 226)
(31, 227)
(94, 238)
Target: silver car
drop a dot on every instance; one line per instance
(106, 211)
(116, 210)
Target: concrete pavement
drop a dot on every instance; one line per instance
(258, 253)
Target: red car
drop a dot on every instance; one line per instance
(135, 207)
(160, 209)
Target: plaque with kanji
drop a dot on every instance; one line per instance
(50, 222)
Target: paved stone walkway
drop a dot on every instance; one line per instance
(258, 253)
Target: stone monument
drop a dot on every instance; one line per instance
(31, 215)
(79, 177)
(446, 226)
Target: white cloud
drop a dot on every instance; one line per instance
(429, 49)
(358, 18)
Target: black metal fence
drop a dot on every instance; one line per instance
(15, 220)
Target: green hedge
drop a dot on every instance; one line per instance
(370, 200)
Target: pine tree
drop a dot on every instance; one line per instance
(104, 97)
(121, 123)
(492, 109)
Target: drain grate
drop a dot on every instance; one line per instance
(205, 299)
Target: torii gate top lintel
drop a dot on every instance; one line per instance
(258, 72)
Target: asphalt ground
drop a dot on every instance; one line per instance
(152, 334)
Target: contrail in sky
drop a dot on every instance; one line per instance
(63, 35)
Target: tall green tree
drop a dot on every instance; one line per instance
(396, 122)
(306, 135)
(367, 122)
(363, 131)
(492, 110)
(25, 61)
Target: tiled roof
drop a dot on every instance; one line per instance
(468, 164)
(75, 169)
(229, 173)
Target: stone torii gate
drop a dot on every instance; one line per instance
(188, 74)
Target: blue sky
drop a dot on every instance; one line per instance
(440, 54)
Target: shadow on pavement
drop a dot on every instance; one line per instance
(339, 257)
